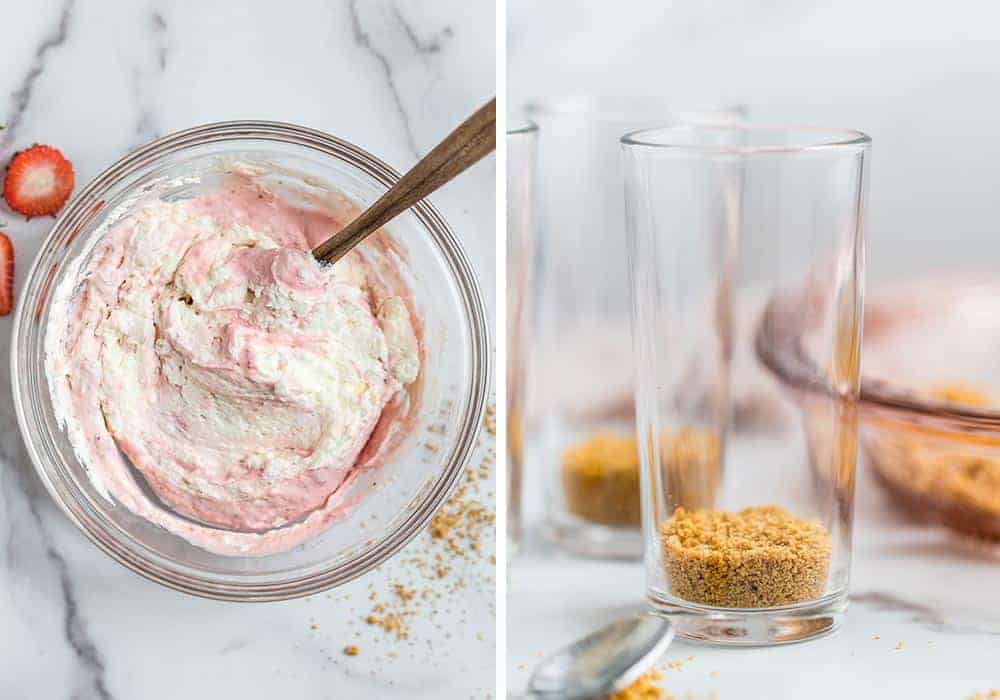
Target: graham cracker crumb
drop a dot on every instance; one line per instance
(490, 420)
(351, 650)
(646, 687)
(459, 538)
(760, 557)
(392, 616)
(460, 522)
(962, 394)
(600, 477)
(957, 479)
(403, 593)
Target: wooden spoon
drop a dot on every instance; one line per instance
(467, 144)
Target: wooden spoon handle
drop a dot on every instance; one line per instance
(473, 139)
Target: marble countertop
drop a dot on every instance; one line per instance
(913, 586)
(905, 76)
(98, 79)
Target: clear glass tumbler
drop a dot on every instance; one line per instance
(583, 445)
(522, 140)
(746, 249)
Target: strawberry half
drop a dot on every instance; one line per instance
(6, 275)
(39, 181)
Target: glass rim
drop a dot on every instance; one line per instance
(132, 553)
(521, 127)
(623, 107)
(826, 139)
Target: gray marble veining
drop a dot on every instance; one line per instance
(142, 77)
(98, 79)
(385, 33)
(21, 95)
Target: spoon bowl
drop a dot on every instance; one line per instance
(604, 661)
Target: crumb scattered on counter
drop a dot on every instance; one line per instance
(460, 524)
(992, 694)
(351, 650)
(403, 593)
(454, 554)
(646, 687)
(490, 420)
(391, 615)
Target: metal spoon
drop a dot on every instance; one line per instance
(473, 139)
(603, 662)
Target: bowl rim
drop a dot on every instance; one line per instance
(877, 398)
(886, 398)
(477, 327)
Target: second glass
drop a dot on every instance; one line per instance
(746, 253)
(583, 445)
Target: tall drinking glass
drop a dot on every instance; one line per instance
(522, 141)
(583, 441)
(746, 250)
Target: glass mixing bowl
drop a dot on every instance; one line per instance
(931, 399)
(930, 395)
(419, 473)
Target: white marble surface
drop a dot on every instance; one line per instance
(96, 79)
(919, 80)
(911, 584)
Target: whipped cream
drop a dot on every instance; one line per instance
(201, 343)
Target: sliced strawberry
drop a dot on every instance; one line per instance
(6, 275)
(39, 181)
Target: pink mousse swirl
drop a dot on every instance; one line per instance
(203, 344)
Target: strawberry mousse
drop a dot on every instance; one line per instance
(200, 348)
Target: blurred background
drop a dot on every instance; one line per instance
(920, 79)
